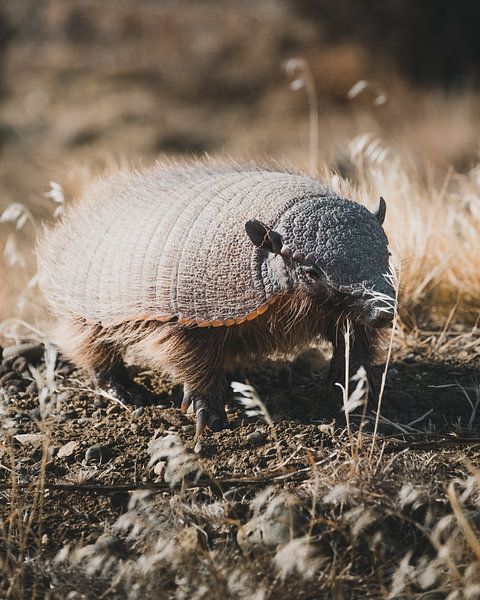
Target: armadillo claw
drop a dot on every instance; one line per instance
(217, 423)
(210, 412)
(202, 421)
(187, 400)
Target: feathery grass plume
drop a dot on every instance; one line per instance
(361, 86)
(301, 74)
(17, 249)
(298, 556)
(180, 463)
(248, 397)
(254, 407)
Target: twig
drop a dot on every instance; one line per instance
(159, 486)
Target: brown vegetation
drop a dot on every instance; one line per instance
(98, 500)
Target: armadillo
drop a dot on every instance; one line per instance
(195, 267)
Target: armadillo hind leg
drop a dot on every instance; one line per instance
(88, 346)
(117, 383)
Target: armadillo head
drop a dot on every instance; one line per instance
(331, 246)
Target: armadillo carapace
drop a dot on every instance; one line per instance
(194, 267)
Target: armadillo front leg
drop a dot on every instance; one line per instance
(361, 343)
(209, 406)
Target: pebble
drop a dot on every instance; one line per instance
(138, 412)
(68, 449)
(98, 453)
(409, 359)
(68, 415)
(198, 447)
(30, 438)
(13, 388)
(256, 438)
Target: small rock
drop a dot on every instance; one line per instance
(34, 439)
(68, 449)
(198, 447)
(393, 372)
(98, 453)
(409, 359)
(13, 388)
(138, 412)
(68, 415)
(256, 438)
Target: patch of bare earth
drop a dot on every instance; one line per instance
(102, 500)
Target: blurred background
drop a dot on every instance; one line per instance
(88, 84)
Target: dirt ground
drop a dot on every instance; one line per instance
(92, 454)
(98, 500)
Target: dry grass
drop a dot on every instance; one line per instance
(344, 515)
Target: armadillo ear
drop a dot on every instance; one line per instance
(381, 210)
(263, 237)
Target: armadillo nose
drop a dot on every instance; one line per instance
(375, 314)
(379, 318)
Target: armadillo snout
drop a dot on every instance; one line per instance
(376, 314)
